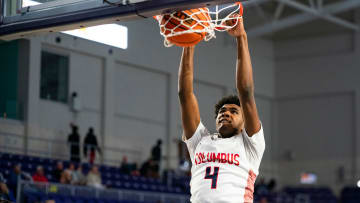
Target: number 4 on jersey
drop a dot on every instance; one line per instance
(213, 176)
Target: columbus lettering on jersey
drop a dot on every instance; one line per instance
(228, 158)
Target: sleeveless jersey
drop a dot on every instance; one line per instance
(224, 169)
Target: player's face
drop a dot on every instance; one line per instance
(229, 120)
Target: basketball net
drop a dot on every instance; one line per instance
(216, 20)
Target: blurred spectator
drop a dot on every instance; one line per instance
(67, 174)
(94, 178)
(71, 171)
(91, 144)
(156, 151)
(156, 155)
(16, 175)
(5, 193)
(271, 185)
(148, 169)
(263, 200)
(58, 171)
(125, 166)
(78, 177)
(144, 168)
(261, 188)
(39, 176)
(71, 167)
(65, 177)
(134, 170)
(74, 142)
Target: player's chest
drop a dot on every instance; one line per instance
(229, 151)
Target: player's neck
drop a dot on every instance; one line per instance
(228, 135)
(224, 135)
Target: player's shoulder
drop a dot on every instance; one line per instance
(202, 130)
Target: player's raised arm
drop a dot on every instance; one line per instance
(244, 80)
(190, 114)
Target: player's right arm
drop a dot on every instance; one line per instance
(190, 114)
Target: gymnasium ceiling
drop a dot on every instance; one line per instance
(285, 19)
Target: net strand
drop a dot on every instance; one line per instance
(207, 26)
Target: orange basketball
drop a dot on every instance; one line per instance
(187, 39)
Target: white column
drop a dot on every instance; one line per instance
(108, 107)
(170, 125)
(33, 96)
(171, 150)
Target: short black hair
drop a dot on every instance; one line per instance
(231, 99)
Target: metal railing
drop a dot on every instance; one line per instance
(54, 189)
(59, 149)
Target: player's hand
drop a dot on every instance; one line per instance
(239, 29)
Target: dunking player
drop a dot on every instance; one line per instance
(224, 164)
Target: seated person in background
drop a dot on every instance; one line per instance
(134, 171)
(65, 177)
(58, 171)
(148, 169)
(39, 176)
(78, 177)
(94, 178)
(260, 187)
(5, 193)
(71, 171)
(271, 185)
(263, 200)
(125, 167)
(16, 175)
(144, 169)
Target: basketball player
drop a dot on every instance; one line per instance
(224, 164)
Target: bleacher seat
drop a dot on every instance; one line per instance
(9, 164)
(6, 172)
(30, 168)
(350, 195)
(118, 184)
(154, 188)
(317, 195)
(113, 170)
(127, 185)
(125, 177)
(66, 164)
(6, 156)
(48, 168)
(144, 187)
(52, 162)
(117, 176)
(3, 163)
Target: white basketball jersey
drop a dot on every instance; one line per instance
(224, 169)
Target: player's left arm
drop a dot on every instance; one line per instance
(244, 80)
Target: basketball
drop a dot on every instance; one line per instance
(182, 21)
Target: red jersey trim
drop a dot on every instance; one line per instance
(249, 189)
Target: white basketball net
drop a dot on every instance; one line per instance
(216, 19)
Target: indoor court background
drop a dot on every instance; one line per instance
(305, 57)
